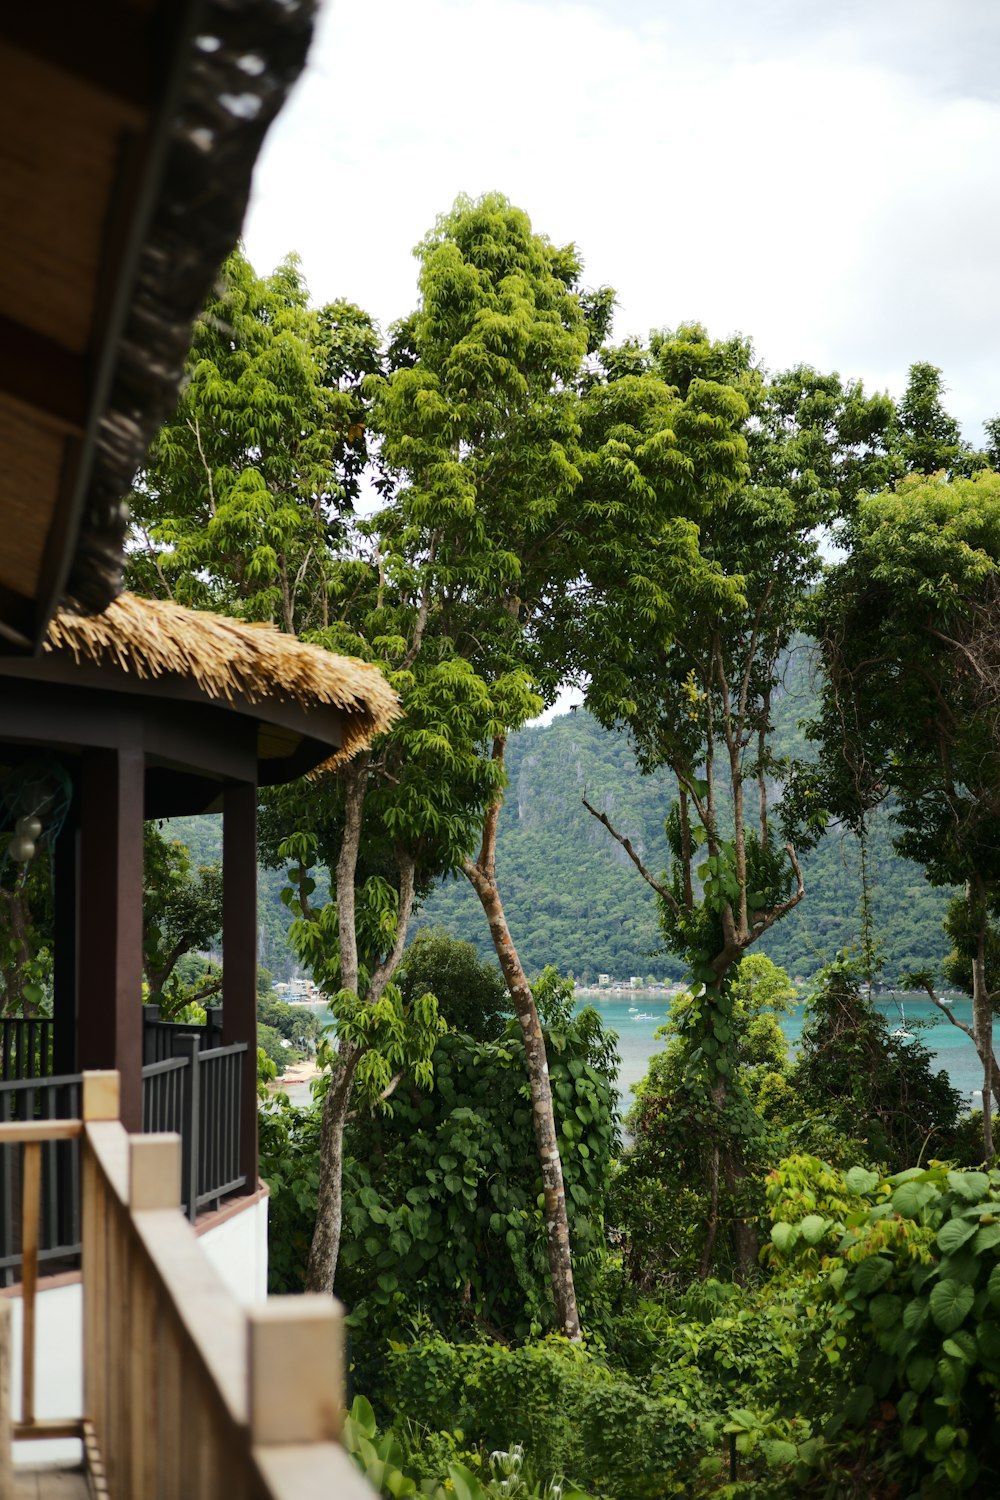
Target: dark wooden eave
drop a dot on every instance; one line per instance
(128, 132)
(193, 744)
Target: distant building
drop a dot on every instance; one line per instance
(636, 981)
(603, 980)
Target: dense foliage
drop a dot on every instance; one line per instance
(787, 1275)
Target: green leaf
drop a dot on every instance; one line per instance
(950, 1302)
(873, 1273)
(860, 1180)
(961, 1345)
(813, 1228)
(778, 1451)
(955, 1233)
(986, 1238)
(884, 1310)
(784, 1236)
(972, 1186)
(988, 1342)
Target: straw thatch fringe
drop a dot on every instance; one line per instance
(230, 660)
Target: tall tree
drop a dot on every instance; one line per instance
(909, 626)
(247, 507)
(479, 421)
(696, 677)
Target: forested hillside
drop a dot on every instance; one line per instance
(574, 899)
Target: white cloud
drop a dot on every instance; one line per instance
(822, 178)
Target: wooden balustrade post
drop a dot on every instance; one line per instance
(189, 1046)
(31, 1209)
(296, 1370)
(6, 1427)
(154, 1183)
(154, 1171)
(101, 1095)
(99, 1103)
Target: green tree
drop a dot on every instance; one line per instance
(908, 627)
(479, 421)
(929, 438)
(246, 508)
(697, 678)
(243, 505)
(871, 1086)
(471, 994)
(182, 914)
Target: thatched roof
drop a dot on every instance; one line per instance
(230, 661)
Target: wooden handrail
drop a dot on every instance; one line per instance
(20, 1132)
(186, 1392)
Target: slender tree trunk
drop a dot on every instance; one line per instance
(982, 1011)
(325, 1248)
(729, 1155)
(482, 875)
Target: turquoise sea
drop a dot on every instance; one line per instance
(636, 1018)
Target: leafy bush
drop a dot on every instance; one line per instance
(567, 1408)
(908, 1270)
(397, 1465)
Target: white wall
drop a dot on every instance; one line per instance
(238, 1251)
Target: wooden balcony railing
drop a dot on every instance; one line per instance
(186, 1393)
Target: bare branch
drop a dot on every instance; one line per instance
(946, 1010)
(205, 464)
(777, 912)
(629, 848)
(386, 1093)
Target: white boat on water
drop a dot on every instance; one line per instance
(901, 1034)
(645, 1015)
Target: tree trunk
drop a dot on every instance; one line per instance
(536, 1063)
(325, 1248)
(481, 874)
(730, 1155)
(982, 1013)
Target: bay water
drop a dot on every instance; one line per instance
(637, 1017)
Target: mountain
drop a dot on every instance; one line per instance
(573, 897)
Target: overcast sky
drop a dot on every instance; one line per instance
(823, 175)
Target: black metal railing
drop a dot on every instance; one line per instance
(197, 1093)
(25, 1047)
(59, 1224)
(158, 1036)
(195, 1090)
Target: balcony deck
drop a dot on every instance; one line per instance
(48, 1482)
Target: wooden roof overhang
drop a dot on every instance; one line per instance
(128, 131)
(192, 744)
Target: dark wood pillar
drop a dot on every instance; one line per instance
(239, 953)
(109, 984)
(64, 949)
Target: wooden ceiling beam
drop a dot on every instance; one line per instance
(41, 374)
(107, 44)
